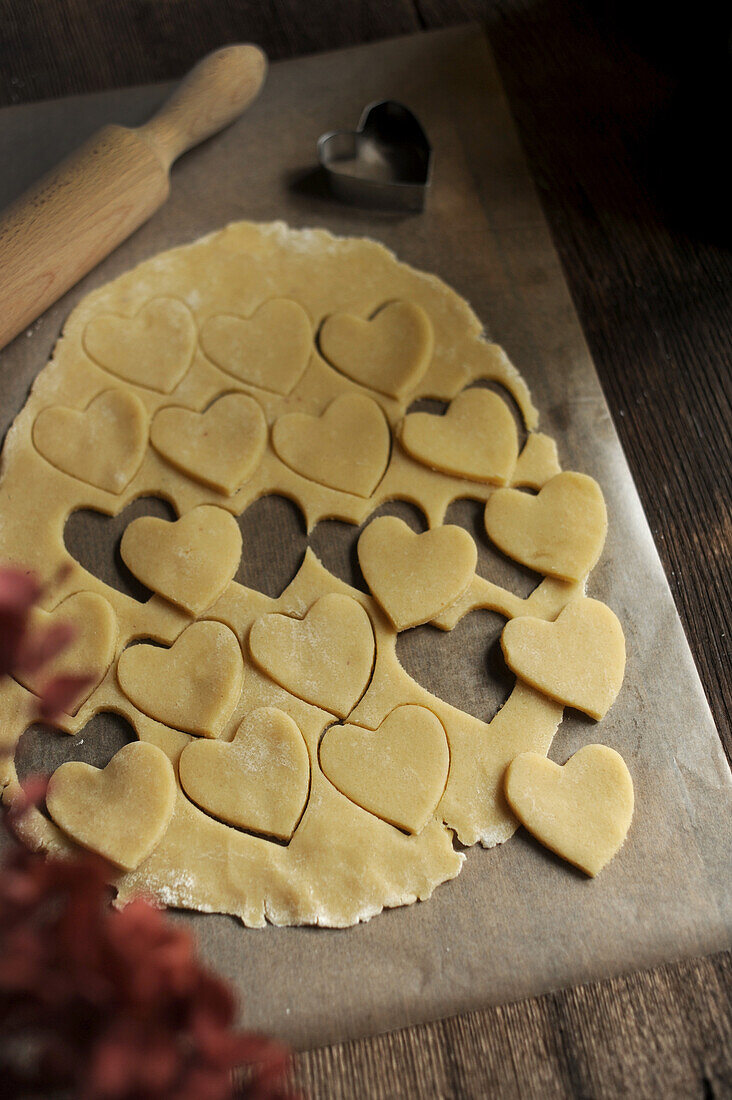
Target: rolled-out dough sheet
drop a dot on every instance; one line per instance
(386, 795)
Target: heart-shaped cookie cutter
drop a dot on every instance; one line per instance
(385, 162)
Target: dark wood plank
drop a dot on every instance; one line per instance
(665, 1033)
(69, 46)
(616, 111)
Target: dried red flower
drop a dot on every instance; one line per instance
(19, 591)
(59, 693)
(98, 1003)
(113, 1004)
(25, 650)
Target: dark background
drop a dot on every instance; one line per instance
(625, 112)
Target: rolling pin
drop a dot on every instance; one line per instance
(80, 211)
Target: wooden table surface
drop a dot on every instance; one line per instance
(623, 117)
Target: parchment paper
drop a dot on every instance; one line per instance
(517, 921)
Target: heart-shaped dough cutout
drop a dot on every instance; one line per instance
(259, 781)
(415, 577)
(270, 349)
(560, 532)
(189, 561)
(102, 445)
(326, 658)
(579, 659)
(346, 448)
(537, 463)
(582, 811)
(397, 772)
(90, 651)
(120, 812)
(152, 349)
(193, 686)
(475, 439)
(220, 447)
(388, 353)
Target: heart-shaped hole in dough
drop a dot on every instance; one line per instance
(335, 542)
(41, 749)
(93, 539)
(270, 563)
(492, 564)
(432, 658)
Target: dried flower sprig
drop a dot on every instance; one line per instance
(98, 1003)
(112, 1004)
(25, 650)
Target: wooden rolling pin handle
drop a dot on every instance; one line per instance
(80, 211)
(213, 94)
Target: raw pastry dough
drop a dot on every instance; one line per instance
(476, 438)
(415, 577)
(213, 348)
(90, 649)
(120, 812)
(325, 658)
(102, 444)
(345, 448)
(537, 463)
(560, 532)
(397, 771)
(579, 660)
(193, 686)
(269, 350)
(153, 348)
(190, 561)
(259, 781)
(388, 352)
(221, 447)
(582, 811)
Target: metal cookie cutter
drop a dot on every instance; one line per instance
(386, 162)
